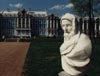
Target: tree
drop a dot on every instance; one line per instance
(83, 6)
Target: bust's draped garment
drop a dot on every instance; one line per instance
(75, 54)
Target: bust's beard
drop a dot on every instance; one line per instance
(67, 36)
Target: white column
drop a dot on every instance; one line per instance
(99, 27)
(87, 25)
(95, 30)
(21, 27)
(17, 22)
(25, 22)
(54, 27)
(29, 26)
(57, 27)
(57, 24)
(29, 23)
(46, 28)
(83, 25)
(50, 24)
(50, 28)
(21, 22)
(42, 27)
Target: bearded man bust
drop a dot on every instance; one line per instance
(75, 50)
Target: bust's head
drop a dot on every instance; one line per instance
(68, 23)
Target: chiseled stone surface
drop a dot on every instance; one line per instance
(63, 73)
(75, 50)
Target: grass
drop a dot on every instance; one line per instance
(94, 69)
(43, 58)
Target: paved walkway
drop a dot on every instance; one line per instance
(12, 58)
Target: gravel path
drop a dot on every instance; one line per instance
(12, 57)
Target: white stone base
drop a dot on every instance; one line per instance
(63, 73)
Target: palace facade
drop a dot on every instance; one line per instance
(28, 23)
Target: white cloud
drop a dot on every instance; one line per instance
(59, 7)
(17, 5)
(70, 5)
(11, 5)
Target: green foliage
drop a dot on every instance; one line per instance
(82, 6)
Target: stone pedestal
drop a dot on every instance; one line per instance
(63, 73)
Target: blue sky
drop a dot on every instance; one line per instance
(51, 6)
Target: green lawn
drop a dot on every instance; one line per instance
(43, 58)
(94, 69)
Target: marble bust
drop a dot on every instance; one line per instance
(75, 50)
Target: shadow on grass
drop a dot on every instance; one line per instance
(43, 58)
(94, 69)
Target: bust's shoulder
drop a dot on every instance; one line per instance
(85, 41)
(84, 36)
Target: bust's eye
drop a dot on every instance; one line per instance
(68, 25)
(63, 25)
